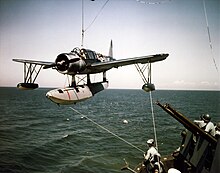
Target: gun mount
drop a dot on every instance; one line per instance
(187, 123)
(200, 151)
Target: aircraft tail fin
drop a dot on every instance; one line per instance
(111, 50)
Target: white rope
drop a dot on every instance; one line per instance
(154, 125)
(107, 130)
(210, 41)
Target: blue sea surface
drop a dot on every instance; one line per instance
(37, 136)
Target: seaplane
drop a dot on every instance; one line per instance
(82, 61)
(79, 64)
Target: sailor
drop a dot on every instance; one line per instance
(152, 157)
(200, 122)
(217, 130)
(177, 151)
(209, 128)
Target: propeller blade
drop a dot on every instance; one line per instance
(49, 66)
(54, 64)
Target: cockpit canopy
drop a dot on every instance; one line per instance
(85, 53)
(88, 54)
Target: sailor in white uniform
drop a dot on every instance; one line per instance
(152, 157)
(209, 128)
(201, 123)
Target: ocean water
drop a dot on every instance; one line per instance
(37, 136)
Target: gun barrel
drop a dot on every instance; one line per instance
(187, 123)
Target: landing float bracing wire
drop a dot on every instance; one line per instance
(210, 41)
(107, 130)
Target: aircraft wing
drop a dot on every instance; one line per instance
(33, 62)
(129, 61)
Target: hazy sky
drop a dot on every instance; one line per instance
(42, 29)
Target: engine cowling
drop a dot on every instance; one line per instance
(77, 67)
(62, 63)
(69, 63)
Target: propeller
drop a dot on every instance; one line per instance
(62, 63)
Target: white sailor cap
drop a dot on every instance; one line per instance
(150, 141)
(173, 170)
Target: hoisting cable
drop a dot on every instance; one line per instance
(84, 116)
(154, 127)
(141, 72)
(96, 16)
(210, 41)
(84, 30)
(153, 120)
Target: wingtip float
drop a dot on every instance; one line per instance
(27, 86)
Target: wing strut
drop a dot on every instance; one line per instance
(148, 86)
(28, 75)
(31, 71)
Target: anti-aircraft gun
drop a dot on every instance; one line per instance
(200, 152)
